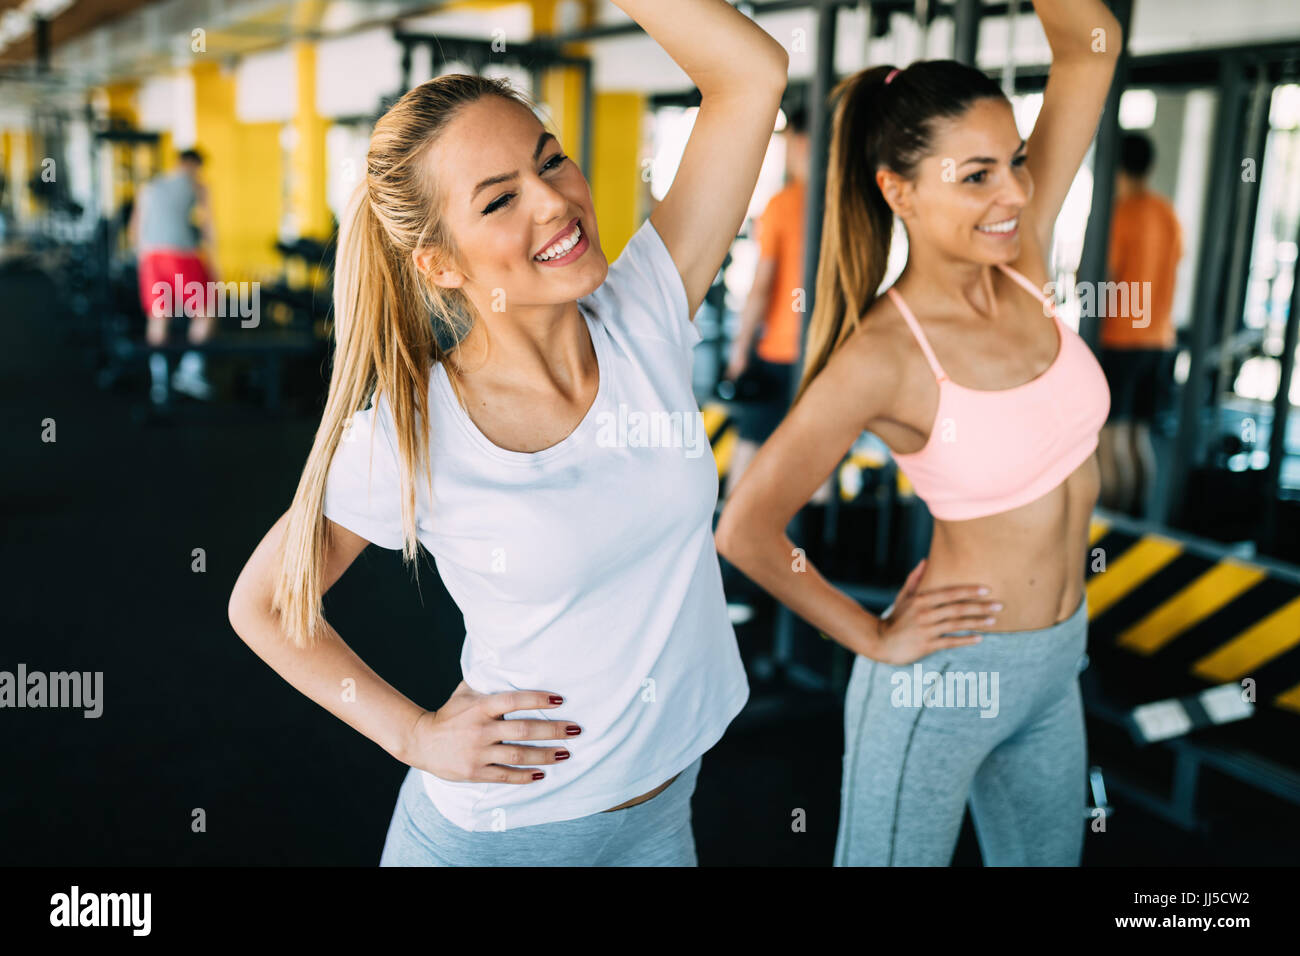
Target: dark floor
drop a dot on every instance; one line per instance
(101, 526)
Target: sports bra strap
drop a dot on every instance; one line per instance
(1029, 286)
(916, 331)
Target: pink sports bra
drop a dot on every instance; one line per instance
(993, 450)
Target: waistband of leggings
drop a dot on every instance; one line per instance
(1077, 618)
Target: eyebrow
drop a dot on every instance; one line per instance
(493, 180)
(990, 159)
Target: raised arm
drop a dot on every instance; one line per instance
(741, 73)
(1085, 39)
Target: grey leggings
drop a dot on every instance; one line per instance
(654, 833)
(911, 760)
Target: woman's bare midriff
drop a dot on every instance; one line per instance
(645, 796)
(1031, 557)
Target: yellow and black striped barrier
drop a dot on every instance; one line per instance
(723, 430)
(1190, 603)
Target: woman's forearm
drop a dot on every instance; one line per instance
(774, 564)
(333, 676)
(719, 47)
(1070, 27)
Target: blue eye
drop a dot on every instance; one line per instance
(502, 202)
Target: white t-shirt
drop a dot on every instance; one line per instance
(588, 568)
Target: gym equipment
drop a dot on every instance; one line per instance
(1170, 616)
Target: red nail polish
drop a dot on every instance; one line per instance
(572, 729)
(561, 755)
(538, 775)
(556, 700)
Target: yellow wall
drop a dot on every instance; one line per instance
(121, 102)
(307, 170)
(615, 146)
(20, 167)
(6, 149)
(167, 149)
(616, 166)
(242, 167)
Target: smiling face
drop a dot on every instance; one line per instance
(510, 192)
(967, 194)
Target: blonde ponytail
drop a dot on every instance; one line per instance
(385, 316)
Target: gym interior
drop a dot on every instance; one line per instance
(144, 466)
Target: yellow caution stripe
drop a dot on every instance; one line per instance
(723, 434)
(715, 415)
(1254, 647)
(723, 448)
(1228, 587)
(1097, 529)
(1206, 595)
(1289, 699)
(1126, 573)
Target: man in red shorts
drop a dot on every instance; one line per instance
(171, 251)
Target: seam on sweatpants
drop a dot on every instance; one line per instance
(855, 744)
(902, 772)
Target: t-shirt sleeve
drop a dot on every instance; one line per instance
(363, 490)
(646, 271)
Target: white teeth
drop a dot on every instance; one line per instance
(562, 247)
(1007, 226)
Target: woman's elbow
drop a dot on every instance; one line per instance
(781, 62)
(243, 605)
(236, 609)
(729, 537)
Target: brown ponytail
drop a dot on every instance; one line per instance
(874, 125)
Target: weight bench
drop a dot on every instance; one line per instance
(273, 347)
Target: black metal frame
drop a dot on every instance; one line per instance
(536, 56)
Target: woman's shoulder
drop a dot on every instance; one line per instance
(643, 294)
(877, 347)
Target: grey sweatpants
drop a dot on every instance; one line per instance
(999, 723)
(654, 833)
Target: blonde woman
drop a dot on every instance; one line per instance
(509, 438)
(992, 406)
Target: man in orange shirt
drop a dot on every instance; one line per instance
(775, 303)
(1137, 345)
